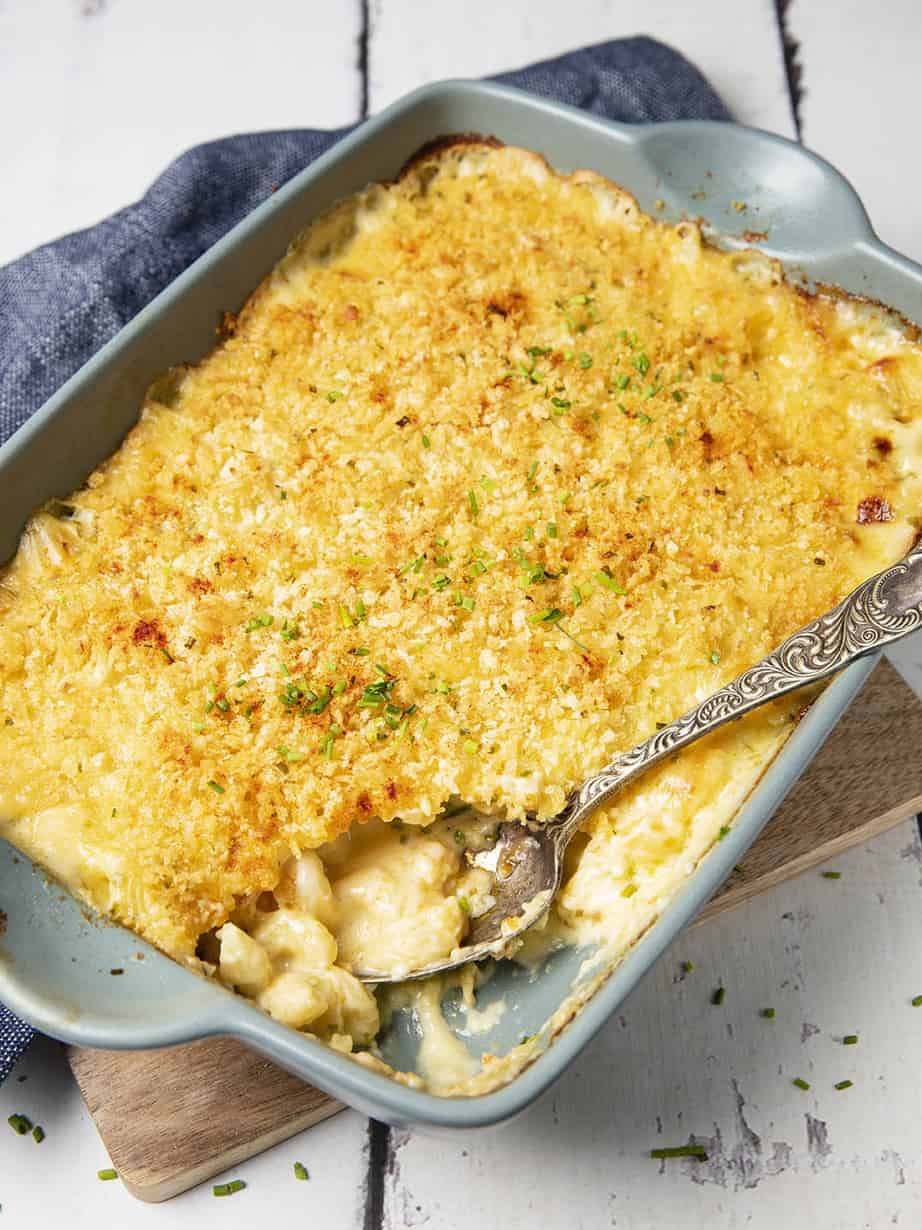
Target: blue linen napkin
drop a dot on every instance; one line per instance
(60, 303)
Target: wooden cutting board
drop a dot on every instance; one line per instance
(173, 1118)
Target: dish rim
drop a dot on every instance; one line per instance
(381, 1095)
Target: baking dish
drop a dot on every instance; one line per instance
(54, 962)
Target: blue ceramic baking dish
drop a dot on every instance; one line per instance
(54, 959)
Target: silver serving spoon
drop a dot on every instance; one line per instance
(527, 858)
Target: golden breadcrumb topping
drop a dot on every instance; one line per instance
(492, 474)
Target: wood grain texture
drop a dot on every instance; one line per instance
(174, 1118)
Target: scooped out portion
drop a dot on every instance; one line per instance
(386, 898)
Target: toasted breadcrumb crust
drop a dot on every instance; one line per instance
(491, 475)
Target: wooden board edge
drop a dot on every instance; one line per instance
(165, 1189)
(804, 862)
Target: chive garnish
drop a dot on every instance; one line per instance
(605, 578)
(800, 1082)
(622, 382)
(916, 1001)
(216, 787)
(642, 363)
(724, 830)
(472, 501)
(38, 1134)
(471, 746)
(687, 967)
(20, 1124)
(334, 395)
(850, 1040)
(228, 1189)
(550, 615)
(768, 1013)
(258, 621)
(843, 1084)
(715, 657)
(718, 996)
(427, 443)
(301, 1171)
(585, 361)
(698, 1152)
(831, 875)
(106, 1175)
(717, 377)
(629, 890)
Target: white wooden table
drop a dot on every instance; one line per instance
(95, 97)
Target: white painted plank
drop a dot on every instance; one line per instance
(861, 102)
(832, 958)
(97, 96)
(56, 1185)
(735, 45)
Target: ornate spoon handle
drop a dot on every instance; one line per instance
(881, 610)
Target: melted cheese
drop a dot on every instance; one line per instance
(493, 474)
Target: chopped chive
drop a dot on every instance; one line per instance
(605, 578)
(850, 1040)
(698, 1152)
(843, 1084)
(472, 501)
(800, 1082)
(339, 687)
(550, 615)
(724, 830)
(334, 395)
(643, 418)
(532, 471)
(216, 787)
(678, 395)
(715, 657)
(622, 382)
(106, 1175)
(687, 967)
(228, 1189)
(585, 361)
(768, 1014)
(551, 529)
(20, 1124)
(718, 996)
(717, 377)
(916, 1001)
(642, 363)
(38, 1134)
(427, 443)
(629, 890)
(831, 875)
(560, 404)
(301, 1171)
(468, 603)
(471, 746)
(223, 704)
